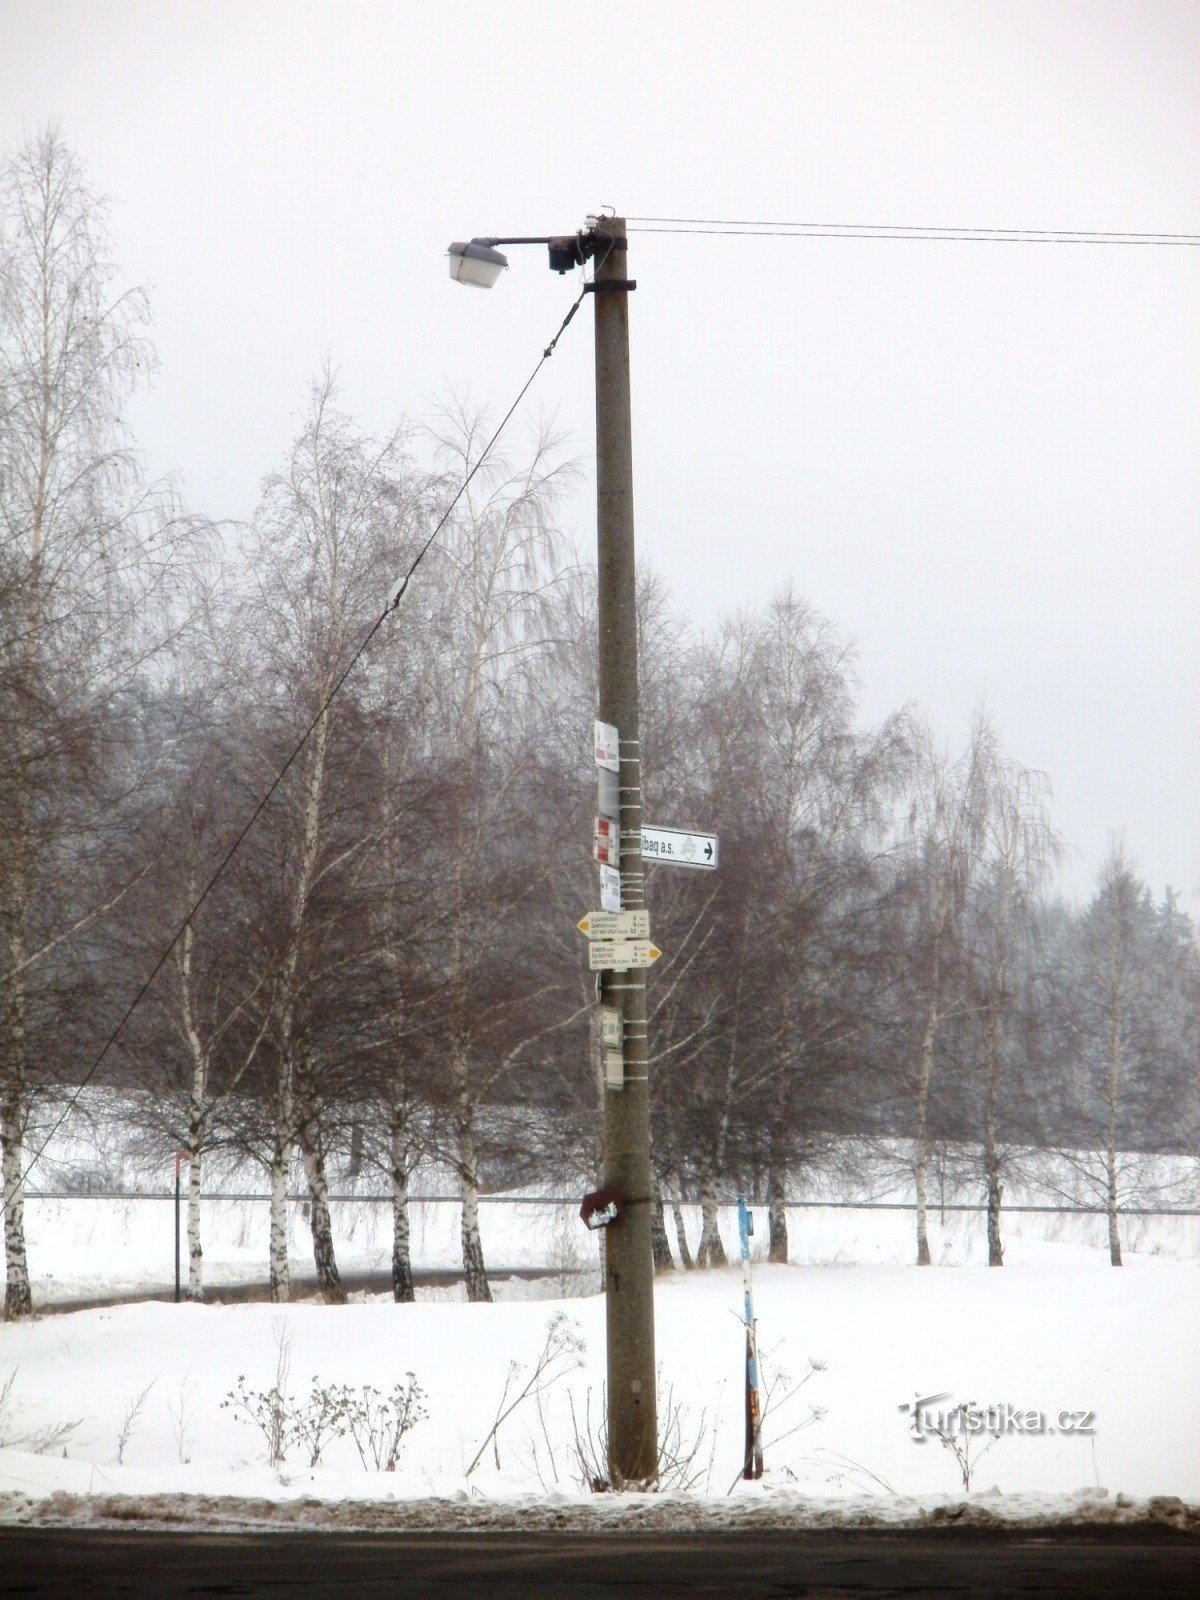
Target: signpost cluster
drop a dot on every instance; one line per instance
(619, 937)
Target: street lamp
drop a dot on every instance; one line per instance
(476, 262)
(628, 1255)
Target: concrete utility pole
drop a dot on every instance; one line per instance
(628, 1256)
(628, 1260)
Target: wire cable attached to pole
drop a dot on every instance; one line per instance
(919, 233)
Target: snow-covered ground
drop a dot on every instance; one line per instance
(845, 1349)
(121, 1413)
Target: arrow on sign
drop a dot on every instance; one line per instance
(679, 848)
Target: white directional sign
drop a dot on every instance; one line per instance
(608, 747)
(618, 955)
(615, 925)
(679, 848)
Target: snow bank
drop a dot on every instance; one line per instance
(773, 1509)
(845, 1351)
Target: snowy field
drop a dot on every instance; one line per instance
(130, 1412)
(845, 1348)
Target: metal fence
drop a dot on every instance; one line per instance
(302, 1198)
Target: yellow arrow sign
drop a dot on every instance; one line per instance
(607, 955)
(615, 924)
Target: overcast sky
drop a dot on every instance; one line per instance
(981, 461)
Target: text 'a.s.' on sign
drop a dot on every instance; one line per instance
(679, 847)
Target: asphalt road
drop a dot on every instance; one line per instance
(1154, 1564)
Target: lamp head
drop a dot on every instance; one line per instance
(475, 262)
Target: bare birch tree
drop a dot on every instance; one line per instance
(498, 565)
(949, 820)
(1020, 848)
(325, 546)
(88, 566)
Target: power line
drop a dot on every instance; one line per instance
(395, 595)
(760, 228)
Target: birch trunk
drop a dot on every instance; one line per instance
(991, 1165)
(710, 1252)
(18, 1300)
(924, 1078)
(474, 1269)
(991, 1152)
(920, 1171)
(685, 1254)
(197, 1101)
(1114, 1233)
(195, 1251)
(402, 1277)
(328, 1278)
(1110, 1153)
(281, 1160)
(777, 1227)
(996, 1250)
(660, 1245)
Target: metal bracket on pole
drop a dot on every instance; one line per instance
(623, 285)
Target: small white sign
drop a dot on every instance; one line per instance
(619, 955)
(608, 793)
(614, 1069)
(607, 843)
(611, 1027)
(608, 746)
(680, 848)
(615, 924)
(610, 888)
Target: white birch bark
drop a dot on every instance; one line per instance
(195, 1250)
(474, 1269)
(660, 1245)
(402, 1275)
(18, 1300)
(281, 1160)
(991, 1151)
(921, 1152)
(328, 1278)
(710, 1252)
(685, 1254)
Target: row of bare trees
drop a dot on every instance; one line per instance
(386, 959)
